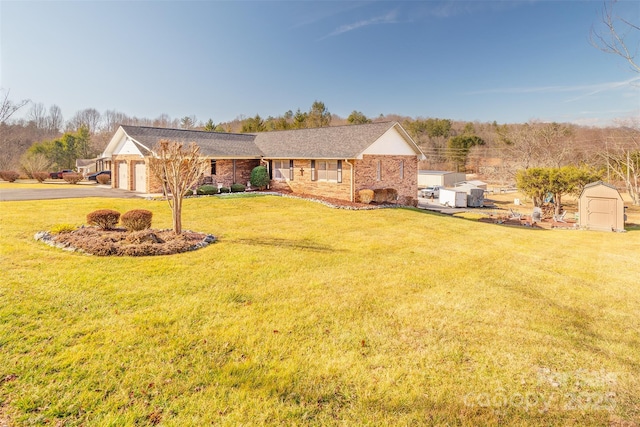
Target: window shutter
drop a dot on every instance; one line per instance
(291, 170)
(270, 169)
(339, 170)
(313, 170)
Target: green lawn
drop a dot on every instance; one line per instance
(302, 314)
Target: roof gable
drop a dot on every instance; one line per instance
(334, 142)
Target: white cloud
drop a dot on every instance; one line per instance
(590, 89)
(389, 18)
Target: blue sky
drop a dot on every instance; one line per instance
(509, 61)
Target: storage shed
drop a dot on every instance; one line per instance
(428, 178)
(601, 207)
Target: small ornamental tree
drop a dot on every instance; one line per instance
(538, 182)
(178, 169)
(259, 177)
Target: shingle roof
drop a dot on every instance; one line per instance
(335, 142)
(212, 144)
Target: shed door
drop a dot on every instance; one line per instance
(601, 214)
(140, 172)
(123, 176)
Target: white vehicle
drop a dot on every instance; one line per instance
(432, 192)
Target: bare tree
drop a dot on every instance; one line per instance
(8, 107)
(178, 169)
(112, 119)
(89, 117)
(188, 122)
(38, 115)
(622, 157)
(617, 36)
(55, 119)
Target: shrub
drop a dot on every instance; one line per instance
(366, 196)
(62, 228)
(392, 194)
(237, 188)
(103, 218)
(380, 195)
(103, 179)
(259, 177)
(40, 176)
(225, 190)
(188, 193)
(207, 190)
(136, 219)
(72, 178)
(10, 176)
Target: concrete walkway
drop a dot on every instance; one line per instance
(20, 194)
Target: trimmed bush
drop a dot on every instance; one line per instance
(207, 190)
(237, 188)
(225, 190)
(72, 178)
(103, 218)
(103, 179)
(259, 177)
(366, 196)
(136, 219)
(392, 194)
(380, 195)
(10, 176)
(188, 193)
(40, 176)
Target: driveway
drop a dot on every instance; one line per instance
(66, 193)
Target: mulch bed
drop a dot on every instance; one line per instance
(120, 242)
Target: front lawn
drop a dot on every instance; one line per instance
(302, 314)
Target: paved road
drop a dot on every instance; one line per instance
(66, 193)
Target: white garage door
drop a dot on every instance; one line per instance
(140, 171)
(123, 175)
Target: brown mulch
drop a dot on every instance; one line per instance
(120, 242)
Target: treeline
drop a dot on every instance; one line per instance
(494, 151)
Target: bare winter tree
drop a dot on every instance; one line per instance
(8, 107)
(55, 121)
(38, 115)
(622, 157)
(178, 169)
(617, 35)
(89, 117)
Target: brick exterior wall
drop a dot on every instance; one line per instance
(224, 171)
(366, 176)
(302, 183)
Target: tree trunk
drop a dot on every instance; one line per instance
(557, 199)
(177, 215)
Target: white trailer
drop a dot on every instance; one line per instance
(453, 198)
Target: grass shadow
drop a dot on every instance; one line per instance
(303, 244)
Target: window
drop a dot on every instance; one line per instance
(213, 167)
(283, 170)
(328, 170)
(401, 169)
(379, 171)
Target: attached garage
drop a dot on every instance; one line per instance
(123, 175)
(140, 177)
(601, 208)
